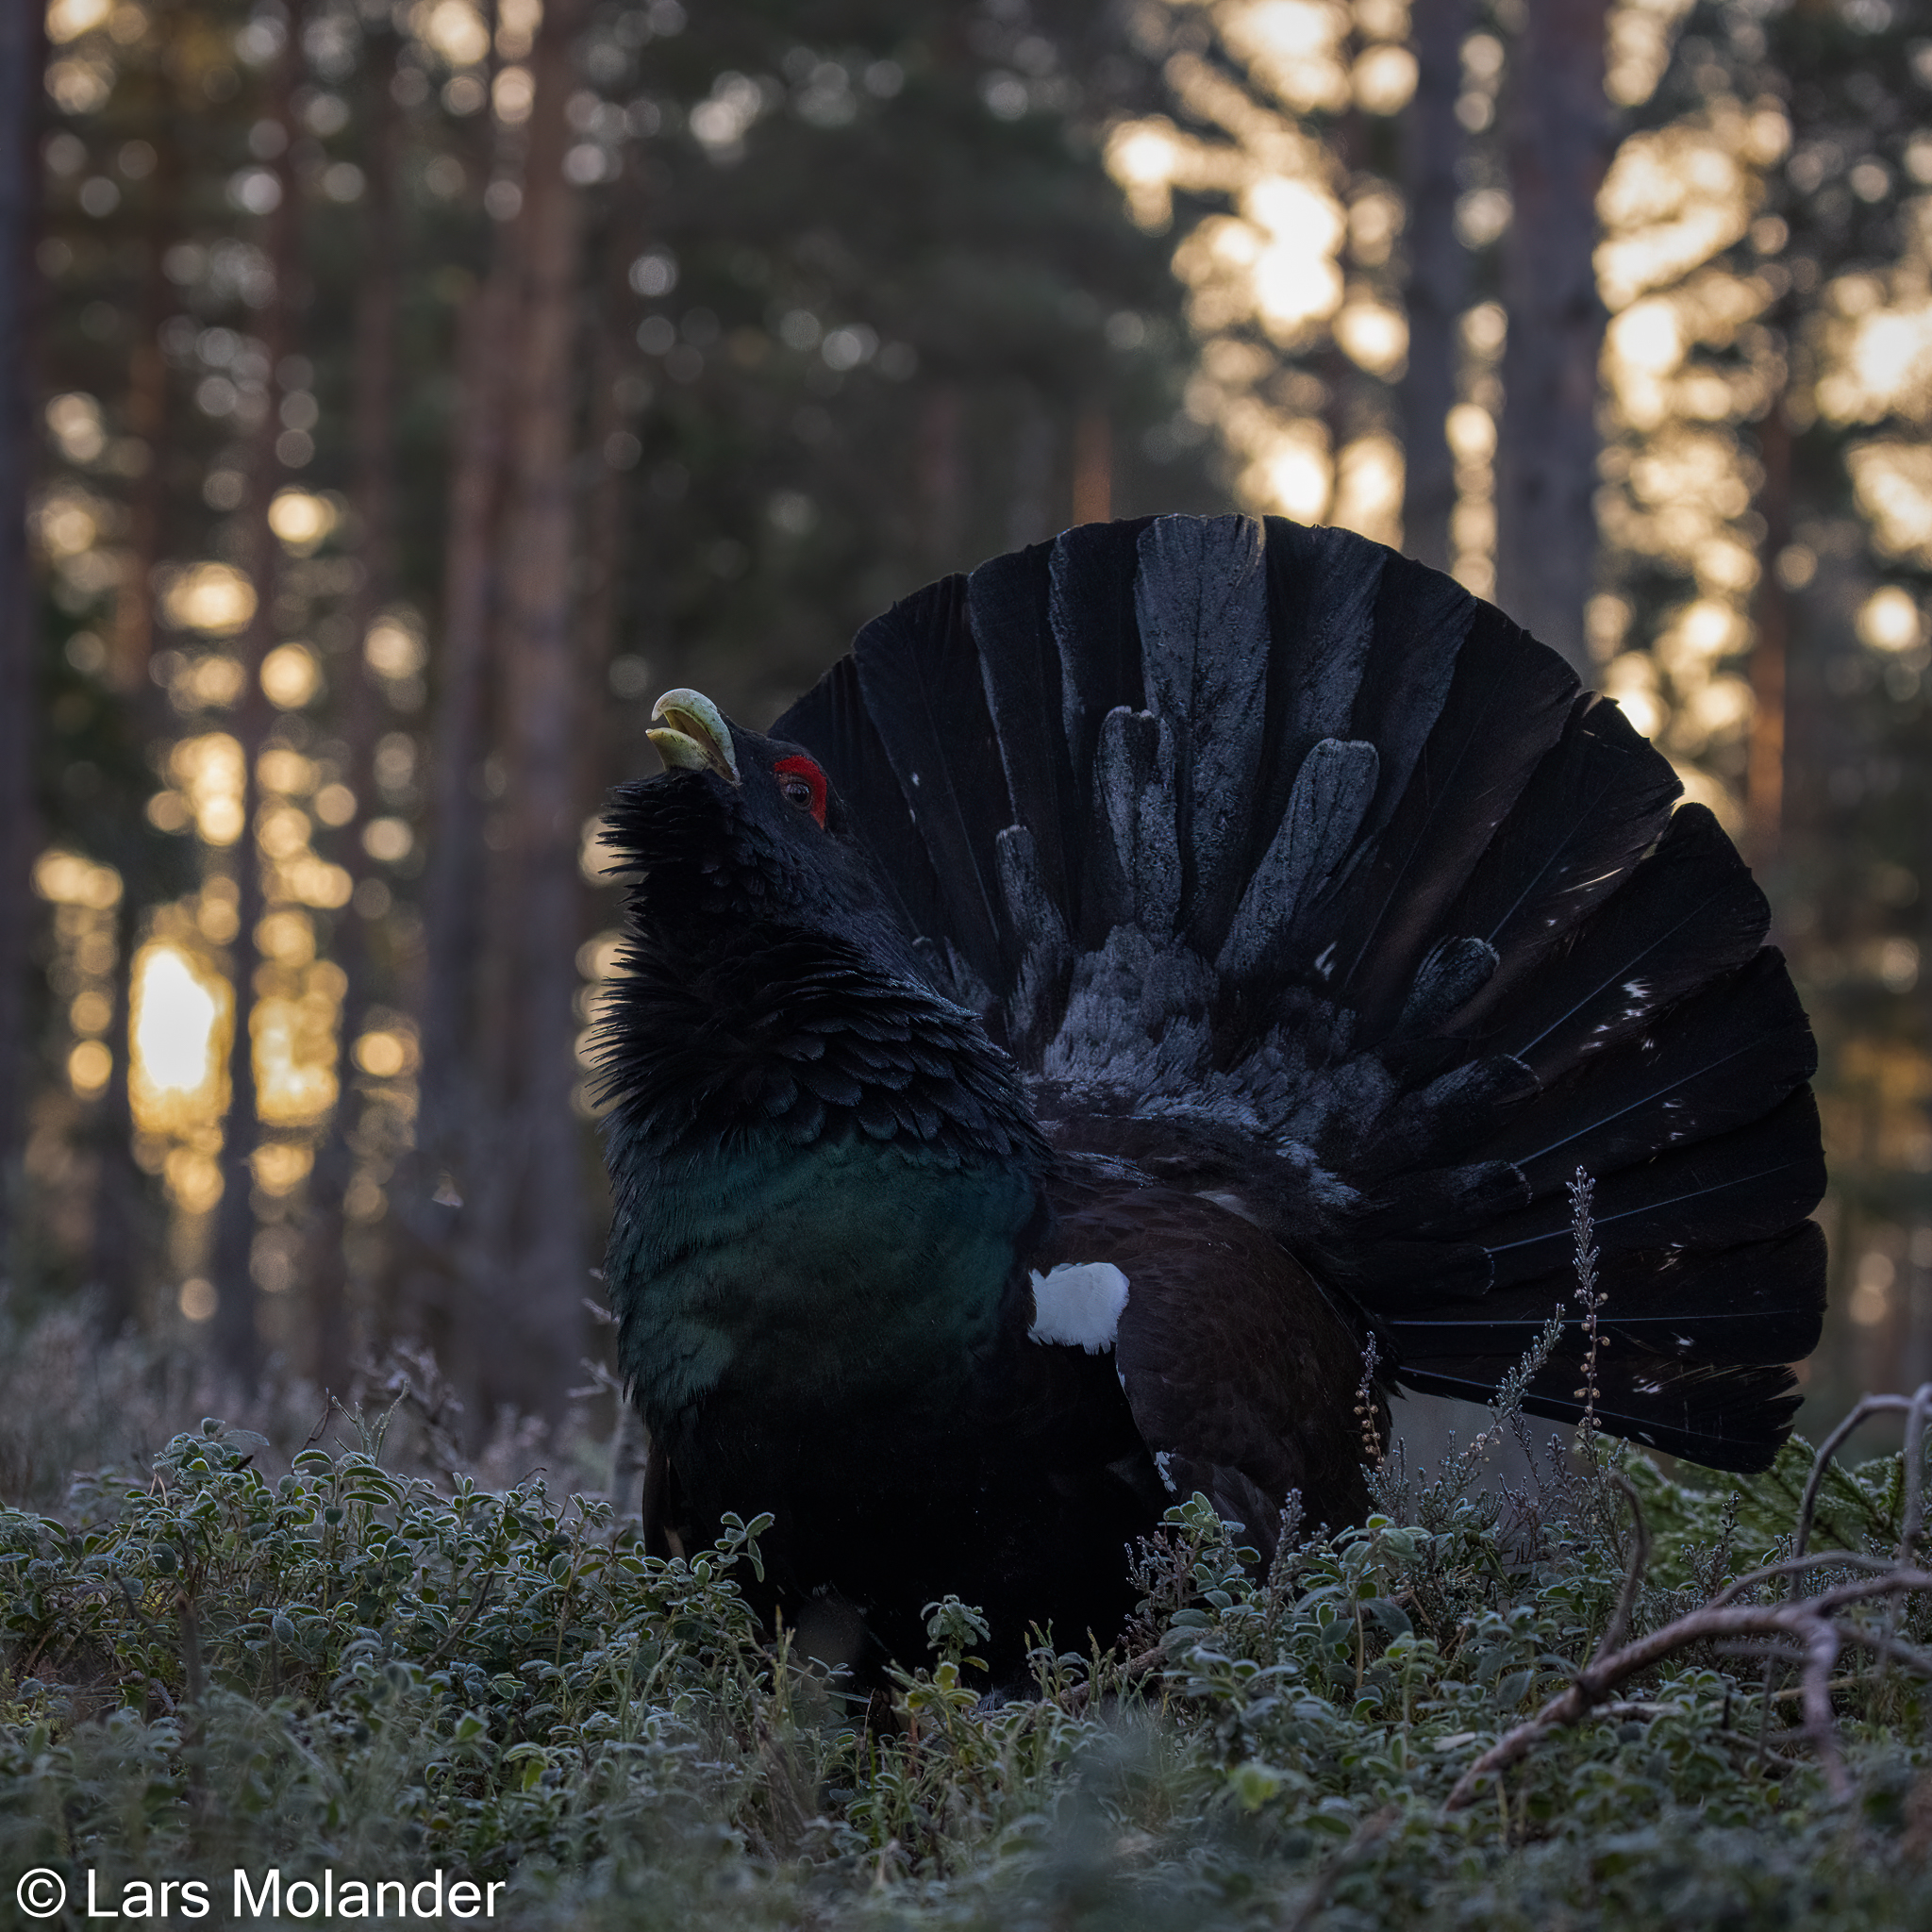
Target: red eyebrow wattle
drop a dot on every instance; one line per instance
(801, 767)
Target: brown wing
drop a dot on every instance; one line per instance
(1239, 1370)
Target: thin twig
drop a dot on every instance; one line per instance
(329, 1406)
(1808, 1621)
(1914, 1523)
(1759, 1653)
(462, 1624)
(1890, 1584)
(1821, 1655)
(1914, 1407)
(1884, 1644)
(1633, 1577)
(1867, 1408)
(1798, 1690)
(1827, 1559)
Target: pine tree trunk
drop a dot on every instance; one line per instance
(539, 1318)
(1764, 784)
(1031, 496)
(1438, 278)
(236, 1339)
(124, 1222)
(453, 878)
(599, 606)
(1557, 139)
(461, 1109)
(23, 48)
(371, 439)
(148, 418)
(1342, 380)
(125, 1217)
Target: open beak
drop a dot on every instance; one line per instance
(693, 736)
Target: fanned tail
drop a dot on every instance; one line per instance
(1284, 842)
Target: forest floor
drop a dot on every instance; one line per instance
(362, 1664)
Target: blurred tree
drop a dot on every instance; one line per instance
(22, 60)
(854, 310)
(349, 425)
(1850, 217)
(1436, 289)
(271, 138)
(1765, 265)
(375, 396)
(676, 369)
(1282, 174)
(1558, 140)
(538, 924)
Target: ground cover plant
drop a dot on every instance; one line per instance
(346, 1669)
(1607, 1694)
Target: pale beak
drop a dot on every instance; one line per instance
(693, 736)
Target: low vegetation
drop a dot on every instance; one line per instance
(343, 1670)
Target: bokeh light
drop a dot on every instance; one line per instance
(1889, 620)
(301, 519)
(216, 599)
(208, 773)
(394, 648)
(290, 678)
(181, 1014)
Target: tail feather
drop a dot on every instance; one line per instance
(834, 719)
(1592, 808)
(1729, 1054)
(1686, 916)
(1201, 600)
(1728, 1417)
(1334, 791)
(1091, 605)
(1506, 705)
(1402, 689)
(920, 678)
(1287, 841)
(1010, 599)
(1743, 1185)
(1134, 779)
(1323, 587)
(1760, 1301)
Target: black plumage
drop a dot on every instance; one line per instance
(1142, 971)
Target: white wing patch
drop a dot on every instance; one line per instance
(1079, 1304)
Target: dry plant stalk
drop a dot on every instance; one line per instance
(1812, 1629)
(1373, 1448)
(1583, 1231)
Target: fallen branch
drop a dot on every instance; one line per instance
(1809, 1630)
(1820, 1636)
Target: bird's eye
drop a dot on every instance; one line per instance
(802, 784)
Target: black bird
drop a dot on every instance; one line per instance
(1140, 973)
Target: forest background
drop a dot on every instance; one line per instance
(398, 397)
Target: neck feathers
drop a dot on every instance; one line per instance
(799, 1037)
